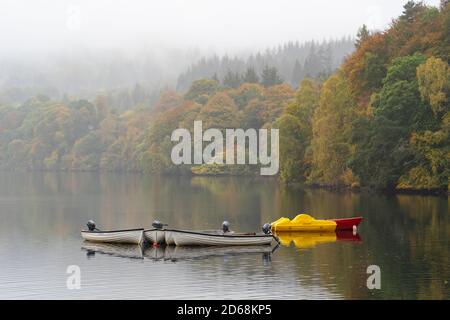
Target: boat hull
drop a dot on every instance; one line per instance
(347, 223)
(187, 238)
(168, 238)
(133, 236)
(155, 236)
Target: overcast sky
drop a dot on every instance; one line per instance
(221, 26)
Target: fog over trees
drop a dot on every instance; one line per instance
(130, 78)
(293, 60)
(85, 74)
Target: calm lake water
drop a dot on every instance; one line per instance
(41, 214)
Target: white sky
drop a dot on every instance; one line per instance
(223, 26)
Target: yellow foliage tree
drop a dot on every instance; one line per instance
(332, 127)
(434, 84)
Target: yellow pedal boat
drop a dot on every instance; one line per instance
(306, 223)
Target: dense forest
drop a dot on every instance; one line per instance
(293, 60)
(380, 121)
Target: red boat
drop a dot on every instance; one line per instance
(347, 223)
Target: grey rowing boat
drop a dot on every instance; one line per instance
(132, 236)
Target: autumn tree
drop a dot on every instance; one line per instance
(431, 147)
(246, 93)
(434, 84)
(220, 112)
(383, 152)
(201, 90)
(277, 97)
(296, 132)
(255, 114)
(332, 129)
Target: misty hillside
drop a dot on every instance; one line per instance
(294, 62)
(127, 79)
(86, 74)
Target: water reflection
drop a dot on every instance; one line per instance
(174, 253)
(407, 236)
(306, 240)
(130, 251)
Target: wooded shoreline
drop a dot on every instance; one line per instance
(380, 121)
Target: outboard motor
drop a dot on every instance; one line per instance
(225, 227)
(267, 228)
(158, 224)
(91, 225)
